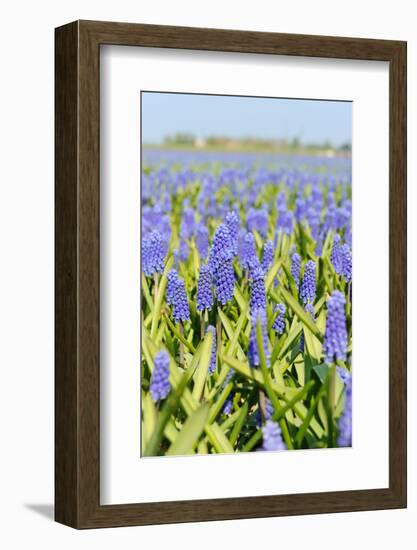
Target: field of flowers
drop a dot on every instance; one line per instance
(246, 268)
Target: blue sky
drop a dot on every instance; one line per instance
(203, 115)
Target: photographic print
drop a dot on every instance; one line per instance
(246, 274)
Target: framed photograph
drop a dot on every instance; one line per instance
(230, 274)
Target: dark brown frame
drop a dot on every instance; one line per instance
(77, 274)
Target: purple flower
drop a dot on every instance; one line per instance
(184, 251)
(344, 374)
(308, 285)
(181, 311)
(285, 222)
(224, 281)
(268, 255)
(204, 289)
(313, 218)
(202, 240)
(335, 336)
(272, 439)
(257, 220)
(258, 316)
(257, 290)
(279, 323)
(213, 355)
(172, 279)
(281, 202)
(269, 409)
(300, 209)
(221, 249)
(233, 223)
(296, 268)
(248, 251)
(336, 255)
(153, 253)
(160, 385)
(346, 263)
(188, 223)
(345, 422)
(227, 408)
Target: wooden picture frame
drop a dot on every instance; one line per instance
(77, 360)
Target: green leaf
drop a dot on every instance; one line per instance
(272, 273)
(268, 386)
(190, 432)
(313, 345)
(200, 375)
(243, 412)
(218, 405)
(149, 416)
(218, 439)
(301, 314)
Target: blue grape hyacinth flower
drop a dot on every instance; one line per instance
(232, 221)
(268, 255)
(345, 422)
(346, 263)
(181, 311)
(258, 316)
(228, 404)
(279, 323)
(172, 279)
(153, 253)
(188, 223)
(213, 355)
(296, 268)
(247, 252)
(204, 289)
(336, 256)
(221, 249)
(272, 438)
(160, 385)
(258, 220)
(335, 336)
(308, 285)
(202, 240)
(257, 289)
(224, 282)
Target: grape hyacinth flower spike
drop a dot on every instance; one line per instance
(220, 264)
(172, 279)
(335, 336)
(160, 385)
(279, 323)
(308, 285)
(233, 223)
(257, 290)
(213, 355)
(272, 438)
(153, 253)
(268, 255)
(221, 249)
(345, 422)
(296, 268)
(336, 255)
(202, 240)
(225, 282)
(181, 310)
(346, 263)
(248, 251)
(258, 316)
(204, 289)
